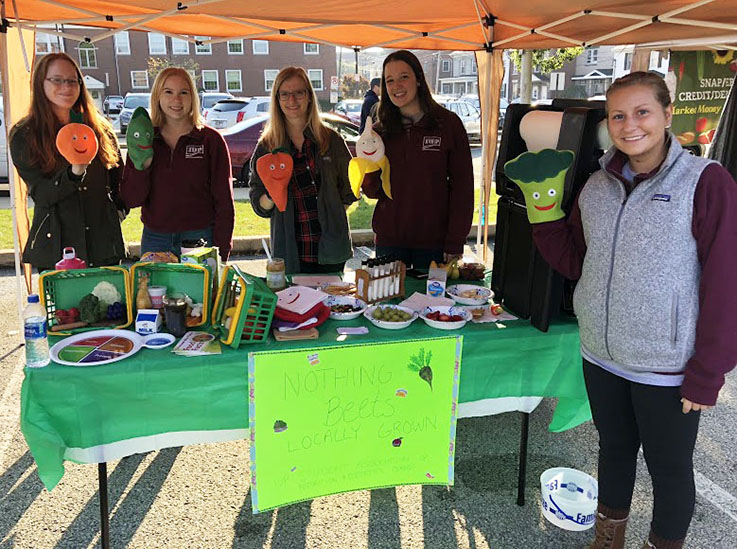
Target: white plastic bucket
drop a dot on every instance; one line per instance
(569, 498)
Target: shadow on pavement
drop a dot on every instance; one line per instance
(15, 500)
(383, 520)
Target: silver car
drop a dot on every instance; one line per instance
(131, 103)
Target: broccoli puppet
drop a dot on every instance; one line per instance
(541, 176)
(140, 138)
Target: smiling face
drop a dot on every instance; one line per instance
(175, 99)
(369, 144)
(59, 91)
(401, 86)
(77, 143)
(637, 124)
(294, 99)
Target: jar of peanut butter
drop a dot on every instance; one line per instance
(276, 278)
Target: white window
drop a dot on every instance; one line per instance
(311, 49)
(447, 89)
(463, 66)
(260, 47)
(627, 61)
(179, 46)
(315, 78)
(557, 81)
(473, 67)
(446, 65)
(233, 81)
(47, 43)
(87, 56)
(592, 56)
(235, 47)
(269, 77)
(156, 44)
(210, 80)
(202, 49)
(139, 79)
(122, 43)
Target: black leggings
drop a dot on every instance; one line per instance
(628, 414)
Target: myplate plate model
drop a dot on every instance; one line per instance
(469, 294)
(344, 307)
(445, 318)
(96, 348)
(386, 313)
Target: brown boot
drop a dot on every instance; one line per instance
(609, 532)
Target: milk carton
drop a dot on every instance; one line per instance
(148, 321)
(436, 279)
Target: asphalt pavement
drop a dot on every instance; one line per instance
(198, 496)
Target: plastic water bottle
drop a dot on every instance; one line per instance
(37, 345)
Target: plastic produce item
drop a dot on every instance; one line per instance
(37, 344)
(69, 260)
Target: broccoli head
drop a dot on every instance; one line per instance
(541, 176)
(89, 309)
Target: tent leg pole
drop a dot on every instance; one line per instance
(521, 479)
(104, 513)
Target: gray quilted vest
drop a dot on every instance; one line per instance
(637, 299)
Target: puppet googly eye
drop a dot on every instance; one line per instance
(74, 138)
(272, 167)
(282, 166)
(136, 135)
(551, 192)
(536, 195)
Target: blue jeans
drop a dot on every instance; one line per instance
(171, 242)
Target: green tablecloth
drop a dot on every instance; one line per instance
(174, 401)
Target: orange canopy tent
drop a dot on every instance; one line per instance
(483, 26)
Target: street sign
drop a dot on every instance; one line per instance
(334, 83)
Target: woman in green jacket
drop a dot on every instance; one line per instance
(312, 233)
(74, 205)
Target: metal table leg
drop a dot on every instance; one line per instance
(104, 512)
(524, 431)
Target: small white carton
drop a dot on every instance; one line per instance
(436, 279)
(148, 321)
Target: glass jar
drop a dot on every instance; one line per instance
(276, 274)
(175, 314)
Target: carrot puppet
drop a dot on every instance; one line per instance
(275, 171)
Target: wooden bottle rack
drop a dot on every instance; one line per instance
(370, 285)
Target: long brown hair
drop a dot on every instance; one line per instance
(43, 124)
(390, 116)
(157, 116)
(275, 131)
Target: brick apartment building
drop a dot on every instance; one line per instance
(118, 64)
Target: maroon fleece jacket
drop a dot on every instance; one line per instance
(714, 228)
(185, 189)
(431, 184)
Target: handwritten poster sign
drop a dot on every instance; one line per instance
(699, 82)
(338, 419)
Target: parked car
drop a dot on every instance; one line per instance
(227, 112)
(112, 104)
(242, 139)
(132, 101)
(208, 99)
(4, 184)
(469, 115)
(350, 109)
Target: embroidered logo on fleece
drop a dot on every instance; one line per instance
(430, 143)
(194, 151)
(661, 197)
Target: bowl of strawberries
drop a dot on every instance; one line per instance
(445, 318)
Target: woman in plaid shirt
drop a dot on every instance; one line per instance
(312, 233)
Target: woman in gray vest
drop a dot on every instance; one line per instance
(651, 241)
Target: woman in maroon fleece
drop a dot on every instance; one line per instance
(651, 240)
(431, 209)
(185, 190)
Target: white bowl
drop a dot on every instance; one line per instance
(444, 324)
(389, 325)
(480, 295)
(569, 498)
(345, 300)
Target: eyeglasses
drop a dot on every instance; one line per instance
(58, 82)
(285, 95)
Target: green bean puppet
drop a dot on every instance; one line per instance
(140, 138)
(541, 177)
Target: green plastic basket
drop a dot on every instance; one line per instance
(64, 289)
(253, 303)
(186, 278)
